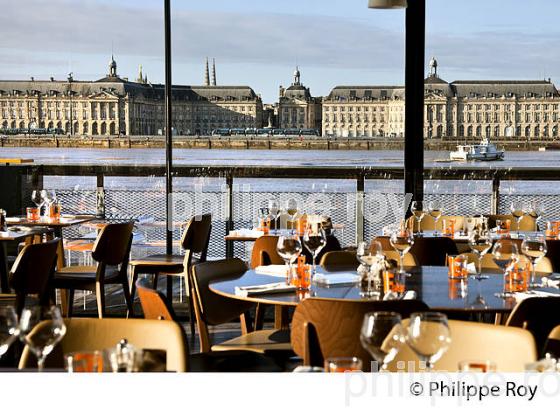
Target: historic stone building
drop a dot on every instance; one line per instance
(463, 109)
(113, 105)
(297, 108)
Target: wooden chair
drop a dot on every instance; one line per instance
(543, 267)
(32, 272)
(552, 345)
(87, 334)
(156, 307)
(553, 253)
(323, 328)
(433, 251)
(264, 252)
(213, 309)
(339, 260)
(509, 348)
(538, 315)
(525, 224)
(194, 241)
(111, 251)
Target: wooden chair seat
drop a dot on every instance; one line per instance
(77, 275)
(266, 341)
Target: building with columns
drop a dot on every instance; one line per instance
(460, 109)
(297, 108)
(113, 105)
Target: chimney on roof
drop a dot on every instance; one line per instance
(52, 78)
(207, 74)
(214, 72)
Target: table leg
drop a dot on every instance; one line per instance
(3, 268)
(60, 263)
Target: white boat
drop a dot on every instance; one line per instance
(485, 151)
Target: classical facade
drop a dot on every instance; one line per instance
(297, 108)
(113, 105)
(460, 109)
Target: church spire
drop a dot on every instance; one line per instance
(140, 78)
(214, 72)
(297, 77)
(433, 67)
(112, 67)
(207, 74)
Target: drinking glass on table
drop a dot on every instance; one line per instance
(41, 329)
(342, 364)
(417, 209)
(274, 212)
(480, 243)
(536, 210)
(435, 209)
(429, 336)
(517, 211)
(8, 328)
(38, 199)
(402, 240)
(382, 336)
(314, 240)
(534, 247)
(289, 248)
(505, 255)
(292, 210)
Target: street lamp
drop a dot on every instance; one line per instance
(387, 4)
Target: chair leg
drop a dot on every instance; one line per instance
(155, 282)
(100, 295)
(169, 279)
(128, 299)
(133, 284)
(70, 302)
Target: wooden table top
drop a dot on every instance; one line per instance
(430, 283)
(16, 235)
(62, 222)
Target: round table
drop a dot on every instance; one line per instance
(430, 283)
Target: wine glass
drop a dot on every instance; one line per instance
(435, 208)
(37, 198)
(314, 241)
(517, 211)
(289, 248)
(534, 247)
(417, 209)
(505, 255)
(292, 210)
(480, 243)
(8, 328)
(536, 210)
(41, 329)
(274, 211)
(382, 336)
(402, 240)
(369, 254)
(429, 336)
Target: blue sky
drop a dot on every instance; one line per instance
(258, 42)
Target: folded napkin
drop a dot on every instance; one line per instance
(330, 279)
(551, 281)
(272, 270)
(471, 268)
(271, 288)
(520, 296)
(14, 219)
(409, 295)
(246, 233)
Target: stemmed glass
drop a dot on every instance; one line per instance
(429, 336)
(382, 336)
(480, 243)
(289, 248)
(38, 198)
(505, 255)
(368, 255)
(8, 328)
(314, 240)
(536, 211)
(417, 209)
(41, 329)
(402, 240)
(517, 211)
(292, 210)
(274, 211)
(435, 209)
(534, 247)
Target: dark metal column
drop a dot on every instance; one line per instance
(414, 99)
(168, 133)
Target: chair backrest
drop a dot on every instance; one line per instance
(196, 235)
(86, 334)
(342, 339)
(264, 252)
(487, 261)
(112, 246)
(552, 345)
(337, 260)
(553, 253)
(427, 223)
(154, 304)
(525, 224)
(509, 348)
(433, 251)
(32, 271)
(538, 315)
(332, 244)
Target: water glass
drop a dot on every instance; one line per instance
(382, 336)
(477, 366)
(534, 247)
(417, 208)
(435, 208)
(84, 362)
(8, 328)
(402, 240)
(517, 211)
(289, 248)
(343, 364)
(505, 255)
(292, 211)
(274, 212)
(314, 241)
(480, 243)
(429, 336)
